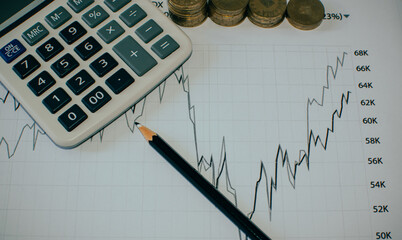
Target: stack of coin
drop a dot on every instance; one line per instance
(188, 13)
(266, 13)
(227, 12)
(305, 14)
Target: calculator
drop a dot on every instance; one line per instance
(77, 65)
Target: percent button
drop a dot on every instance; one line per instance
(95, 16)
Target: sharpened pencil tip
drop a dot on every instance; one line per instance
(146, 132)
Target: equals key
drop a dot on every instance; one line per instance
(165, 46)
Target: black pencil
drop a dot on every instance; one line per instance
(205, 187)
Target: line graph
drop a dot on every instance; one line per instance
(218, 169)
(282, 155)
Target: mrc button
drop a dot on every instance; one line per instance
(12, 50)
(35, 33)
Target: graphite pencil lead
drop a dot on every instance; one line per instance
(146, 132)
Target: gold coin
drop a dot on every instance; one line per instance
(225, 19)
(266, 13)
(230, 7)
(189, 20)
(188, 13)
(187, 4)
(305, 14)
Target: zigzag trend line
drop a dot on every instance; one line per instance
(4, 100)
(205, 165)
(282, 154)
(33, 127)
(35, 134)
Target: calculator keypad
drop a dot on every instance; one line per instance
(96, 99)
(35, 33)
(165, 46)
(95, 16)
(73, 117)
(135, 56)
(103, 65)
(79, 5)
(116, 5)
(41, 83)
(88, 48)
(133, 15)
(56, 100)
(72, 33)
(83, 74)
(80, 82)
(119, 81)
(65, 65)
(110, 31)
(49, 49)
(58, 17)
(26, 66)
(12, 51)
(149, 31)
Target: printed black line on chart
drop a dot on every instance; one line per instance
(27, 128)
(222, 173)
(282, 156)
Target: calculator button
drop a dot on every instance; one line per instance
(103, 64)
(149, 31)
(58, 17)
(165, 46)
(96, 99)
(64, 65)
(116, 5)
(56, 100)
(35, 33)
(88, 48)
(132, 15)
(80, 82)
(110, 31)
(49, 49)
(72, 33)
(134, 55)
(73, 117)
(41, 83)
(95, 16)
(26, 66)
(79, 5)
(12, 50)
(119, 81)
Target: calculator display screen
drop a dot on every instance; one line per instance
(11, 11)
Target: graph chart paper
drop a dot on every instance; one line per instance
(298, 129)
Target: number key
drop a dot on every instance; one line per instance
(49, 49)
(96, 99)
(56, 100)
(64, 65)
(103, 64)
(73, 32)
(73, 117)
(41, 83)
(88, 48)
(80, 82)
(26, 66)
